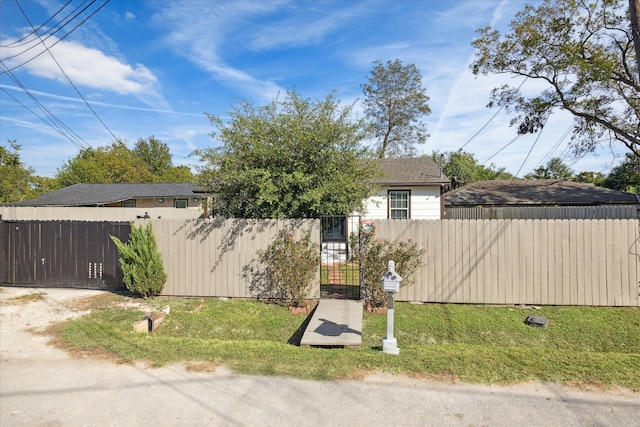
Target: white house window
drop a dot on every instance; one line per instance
(128, 204)
(181, 203)
(399, 204)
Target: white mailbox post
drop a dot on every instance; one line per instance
(390, 282)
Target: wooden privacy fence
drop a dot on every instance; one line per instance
(61, 253)
(554, 262)
(547, 262)
(544, 212)
(215, 257)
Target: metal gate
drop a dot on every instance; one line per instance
(339, 274)
(75, 254)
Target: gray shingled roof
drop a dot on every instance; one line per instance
(535, 192)
(102, 194)
(410, 171)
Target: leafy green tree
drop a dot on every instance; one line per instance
(554, 169)
(595, 178)
(463, 168)
(111, 164)
(292, 158)
(17, 181)
(583, 53)
(395, 101)
(626, 176)
(158, 159)
(141, 262)
(154, 153)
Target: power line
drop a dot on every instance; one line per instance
(55, 123)
(489, 121)
(57, 41)
(532, 146)
(501, 149)
(53, 33)
(66, 75)
(19, 41)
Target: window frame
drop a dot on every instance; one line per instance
(390, 209)
(129, 203)
(186, 203)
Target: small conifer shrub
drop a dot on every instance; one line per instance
(141, 262)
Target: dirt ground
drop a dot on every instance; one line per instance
(44, 385)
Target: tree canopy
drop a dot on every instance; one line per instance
(395, 101)
(16, 179)
(149, 161)
(583, 53)
(463, 168)
(554, 169)
(292, 158)
(625, 176)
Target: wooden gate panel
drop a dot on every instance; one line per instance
(61, 253)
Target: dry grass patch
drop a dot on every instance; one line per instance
(24, 299)
(445, 376)
(207, 366)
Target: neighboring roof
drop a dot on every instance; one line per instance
(535, 192)
(411, 171)
(102, 194)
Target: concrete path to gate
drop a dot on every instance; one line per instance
(334, 323)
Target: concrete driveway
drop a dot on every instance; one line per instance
(42, 386)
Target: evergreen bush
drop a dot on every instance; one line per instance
(141, 262)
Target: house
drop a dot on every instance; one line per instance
(519, 198)
(143, 200)
(410, 188)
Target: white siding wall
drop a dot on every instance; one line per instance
(424, 203)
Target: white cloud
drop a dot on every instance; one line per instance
(199, 31)
(85, 66)
(129, 16)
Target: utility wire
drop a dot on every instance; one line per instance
(54, 32)
(489, 121)
(55, 122)
(501, 149)
(66, 75)
(57, 41)
(18, 42)
(532, 146)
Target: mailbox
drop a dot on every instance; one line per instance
(390, 281)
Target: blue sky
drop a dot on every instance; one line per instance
(156, 67)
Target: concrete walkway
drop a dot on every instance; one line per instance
(335, 323)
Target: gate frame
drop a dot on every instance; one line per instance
(339, 277)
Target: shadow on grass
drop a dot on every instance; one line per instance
(297, 335)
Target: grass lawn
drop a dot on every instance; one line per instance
(476, 344)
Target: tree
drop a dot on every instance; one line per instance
(595, 178)
(626, 176)
(291, 158)
(395, 101)
(17, 181)
(583, 52)
(158, 159)
(141, 262)
(154, 153)
(554, 169)
(463, 168)
(104, 165)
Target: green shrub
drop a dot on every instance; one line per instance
(141, 262)
(289, 267)
(373, 255)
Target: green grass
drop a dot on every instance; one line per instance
(477, 344)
